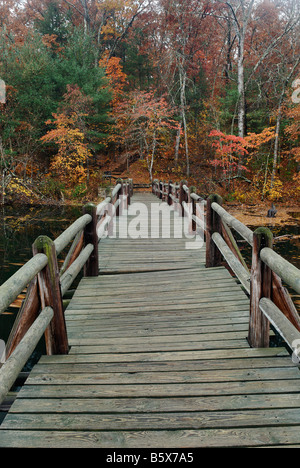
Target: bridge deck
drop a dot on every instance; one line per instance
(158, 358)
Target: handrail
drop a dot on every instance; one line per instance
(15, 363)
(283, 326)
(72, 272)
(287, 272)
(235, 264)
(234, 223)
(264, 283)
(65, 238)
(10, 290)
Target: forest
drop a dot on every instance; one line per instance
(201, 90)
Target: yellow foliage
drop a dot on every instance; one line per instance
(16, 187)
(276, 192)
(70, 161)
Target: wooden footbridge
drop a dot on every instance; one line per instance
(166, 341)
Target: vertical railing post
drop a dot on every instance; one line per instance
(160, 191)
(169, 199)
(50, 295)
(261, 286)
(118, 196)
(130, 190)
(166, 192)
(90, 236)
(125, 195)
(181, 195)
(194, 209)
(213, 224)
(154, 187)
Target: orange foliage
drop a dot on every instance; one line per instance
(116, 77)
(228, 151)
(255, 140)
(293, 131)
(70, 162)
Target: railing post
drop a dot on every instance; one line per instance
(169, 199)
(164, 194)
(181, 195)
(130, 190)
(118, 196)
(160, 190)
(50, 294)
(90, 236)
(154, 187)
(194, 209)
(213, 224)
(261, 286)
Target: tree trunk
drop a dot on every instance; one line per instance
(183, 77)
(276, 144)
(177, 144)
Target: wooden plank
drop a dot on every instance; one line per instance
(129, 378)
(210, 438)
(161, 421)
(92, 339)
(164, 366)
(167, 356)
(160, 390)
(155, 405)
(176, 346)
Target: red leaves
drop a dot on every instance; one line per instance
(230, 150)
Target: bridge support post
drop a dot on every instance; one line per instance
(213, 224)
(50, 294)
(91, 268)
(261, 286)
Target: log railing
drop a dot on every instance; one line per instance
(270, 302)
(42, 311)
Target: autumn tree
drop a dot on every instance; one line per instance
(143, 123)
(71, 161)
(228, 151)
(259, 29)
(293, 132)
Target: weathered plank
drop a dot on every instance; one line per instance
(212, 438)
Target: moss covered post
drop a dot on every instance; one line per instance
(50, 295)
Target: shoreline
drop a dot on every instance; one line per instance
(256, 215)
(248, 214)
